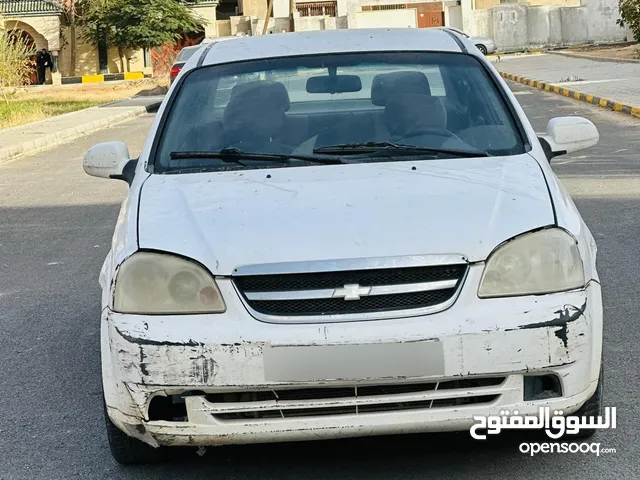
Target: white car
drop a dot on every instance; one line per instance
(343, 233)
(484, 44)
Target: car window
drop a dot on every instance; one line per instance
(302, 104)
(185, 54)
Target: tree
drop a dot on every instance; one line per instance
(630, 16)
(15, 60)
(70, 19)
(136, 24)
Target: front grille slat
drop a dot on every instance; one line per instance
(377, 291)
(353, 400)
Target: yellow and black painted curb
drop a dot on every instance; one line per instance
(107, 77)
(567, 92)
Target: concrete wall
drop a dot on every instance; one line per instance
(453, 17)
(510, 26)
(555, 26)
(223, 28)
(538, 25)
(207, 15)
(485, 4)
(483, 21)
(601, 20)
(253, 8)
(387, 19)
(573, 25)
(554, 3)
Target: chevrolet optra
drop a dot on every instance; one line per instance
(343, 233)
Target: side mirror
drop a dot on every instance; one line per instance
(568, 135)
(110, 160)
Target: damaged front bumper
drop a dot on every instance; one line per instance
(242, 380)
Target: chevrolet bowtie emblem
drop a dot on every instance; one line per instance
(351, 292)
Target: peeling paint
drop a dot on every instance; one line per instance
(565, 316)
(144, 341)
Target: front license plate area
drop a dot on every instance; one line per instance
(353, 362)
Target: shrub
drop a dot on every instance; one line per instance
(15, 61)
(630, 16)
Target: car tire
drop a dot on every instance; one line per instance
(482, 49)
(591, 408)
(127, 450)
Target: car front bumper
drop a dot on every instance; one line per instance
(509, 338)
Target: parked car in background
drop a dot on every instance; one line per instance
(187, 52)
(343, 233)
(484, 44)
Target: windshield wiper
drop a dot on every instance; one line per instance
(235, 155)
(393, 148)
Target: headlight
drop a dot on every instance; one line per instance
(157, 283)
(546, 261)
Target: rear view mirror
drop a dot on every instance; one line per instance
(568, 135)
(110, 160)
(334, 84)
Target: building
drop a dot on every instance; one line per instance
(512, 24)
(42, 23)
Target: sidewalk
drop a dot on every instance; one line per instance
(608, 84)
(51, 132)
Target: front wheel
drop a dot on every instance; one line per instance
(482, 49)
(127, 450)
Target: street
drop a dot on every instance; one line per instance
(55, 228)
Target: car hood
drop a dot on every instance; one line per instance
(230, 219)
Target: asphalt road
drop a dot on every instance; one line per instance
(55, 227)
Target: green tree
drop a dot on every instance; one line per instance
(136, 24)
(630, 16)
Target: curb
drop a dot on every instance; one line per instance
(107, 77)
(597, 59)
(567, 92)
(517, 53)
(61, 137)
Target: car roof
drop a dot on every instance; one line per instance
(333, 41)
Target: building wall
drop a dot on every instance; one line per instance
(207, 14)
(453, 17)
(223, 27)
(483, 23)
(601, 20)
(387, 19)
(45, 30)
(485, 4)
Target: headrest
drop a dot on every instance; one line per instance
(407, 112)
(263, 92)
(385, 85)
(256, 109)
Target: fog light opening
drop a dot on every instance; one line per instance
(540, 387)
(170, 409)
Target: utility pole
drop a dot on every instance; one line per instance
(267, 18)
(292, 8)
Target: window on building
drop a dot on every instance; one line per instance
(147, 57)
(312, 9)
(369, 8)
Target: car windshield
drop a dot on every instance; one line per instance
(366, 107)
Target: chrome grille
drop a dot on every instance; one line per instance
(371, 292)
